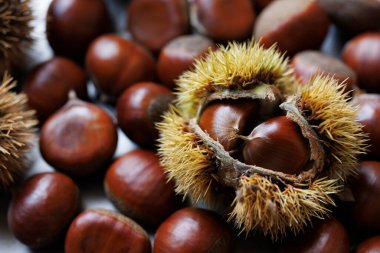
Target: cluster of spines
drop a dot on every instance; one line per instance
(236, 65)
(16, 132)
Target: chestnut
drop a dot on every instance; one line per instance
(42, 208)
(308, 64)
(224, 20)
(179, 55)
(153, 23)
(362, 54)
(79, 139)
(353, 16)
(193, 230)
(99, 230)
(115, 63)
(226, 120)
(139, 108)
(324, 237)
(368, 115)
(139, 188)
(366, 192)
(371, 245)
(261, 4)
(72, 25)
(295, 25)
(47, 85)
(282, 140)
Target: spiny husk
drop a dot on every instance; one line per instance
(16, 132)
(261, 204)
(326, 103)
(15, 31)
(235, 67)
(183, 150)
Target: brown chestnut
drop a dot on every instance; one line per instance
(179, 55)
(225, 121)
(277, 144)
(72, 25)
(99, 230)
(368, 115)
(192, 230)
(324, 237)
(295, 25)
(79, 139)
(308, 64)
(371, 245)
(153, 23)
(115, 63)
(42, 208)
(48, 85)
(354, 16)
(139, 188)
(224, 20)
(366, 191)
(139, 108)
(362, 54)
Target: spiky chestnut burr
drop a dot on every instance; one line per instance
(15, 31)
(16, 132)
(272, 202)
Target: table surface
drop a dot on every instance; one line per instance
(92, 189)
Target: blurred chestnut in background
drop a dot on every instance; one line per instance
(353, 16)
(115, 63)
(224, 20)
(366, 191)
(179, 55)
(42, 208)
(371, 245)
(98, 230)
(139, 188)
(139, 108)
(79, 139)
(277, 144)
(295, 25)
(192, 230)
(368, 115)
(71, 25)
(362, 54)
(309, 64)
(153, 23)
(325, 236)
(226, 120)
(47, 85)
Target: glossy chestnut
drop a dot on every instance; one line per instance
(139, 108)
(71, 25)
(179, 55)
(42, 208)
(295, 25)
(98, 230)
(47, 86)
(277, 144)
(362, 54)
(324, 237)
(366, 191)
(153, 23)
(308, 64)
(224, 20)
(371, 245)
(139, 188)
(115, 63)
(368, 115)
(79, 139)
(193, 230)
(225, 121)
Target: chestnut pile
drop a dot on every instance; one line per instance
(245, 128)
